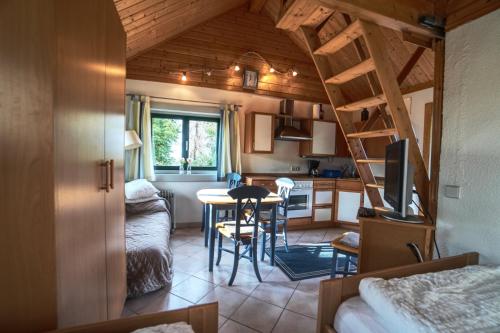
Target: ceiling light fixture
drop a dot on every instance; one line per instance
(184, 76)
(294, 72)
(272, 70)
(236, 68)
(209, 73)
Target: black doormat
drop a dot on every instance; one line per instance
(306, 261)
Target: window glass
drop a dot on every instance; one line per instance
(203, 143)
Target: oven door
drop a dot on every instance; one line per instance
(300, 203)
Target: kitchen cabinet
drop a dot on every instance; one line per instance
(323, 200)
(259, 133)
(327, 139)
(349, 196)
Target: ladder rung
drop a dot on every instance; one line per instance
(364, 103)
(371, 161)
(353, 72)
(346, 36)
(373, 134)
(374, 186)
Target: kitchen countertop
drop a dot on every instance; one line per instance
(297, 176)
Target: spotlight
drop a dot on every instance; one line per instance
(272, 70)
(294, 72)
(209, 73)
(237, 68)
(184, 77)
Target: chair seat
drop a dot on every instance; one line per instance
(228, 229)
(265, 217)
(342, 247)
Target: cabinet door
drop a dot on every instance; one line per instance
(323, 197)
(348, 203)
(263, 140)
(322, 214)
(324, 137)
(113, 150)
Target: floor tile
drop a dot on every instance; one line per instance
(229, 300)
(233, 327)
(127, 312)
(294, 322)
(277, 275)
(258, 315)
(277, 293)
(193, 289)
(311, 285)
(159, 302)
(190, 266)
(304, 303)
(222, 320)
(178, 277)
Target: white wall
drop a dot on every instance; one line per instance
(470, 156)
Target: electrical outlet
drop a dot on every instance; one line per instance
(294, 168)
(452, 191)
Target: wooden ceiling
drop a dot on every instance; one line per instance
(166, 36)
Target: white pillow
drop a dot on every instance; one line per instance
(350, 239)
(139, 189)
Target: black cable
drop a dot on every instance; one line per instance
(432, 220)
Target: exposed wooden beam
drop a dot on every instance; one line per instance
(401, 15)
(410, 64)
(256, 6)
(460, 12)
(306, 13)
(417, 87)
(417, 39)
(437, 124)
(427, 134)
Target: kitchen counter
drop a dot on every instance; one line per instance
(296, 176)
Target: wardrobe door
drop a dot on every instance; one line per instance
(79, 152)
(114, 151)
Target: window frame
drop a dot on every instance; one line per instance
(185, 138)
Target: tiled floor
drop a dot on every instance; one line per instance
(275, 305)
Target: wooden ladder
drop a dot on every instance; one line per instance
(378, 62)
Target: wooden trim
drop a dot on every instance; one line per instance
(333, 292)
(203, 318)
(417, 39)
(427, 135)
(459, 14)
(437, 125)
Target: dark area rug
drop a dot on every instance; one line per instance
(306, 261)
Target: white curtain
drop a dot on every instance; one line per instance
(139, 162)
(230, 146)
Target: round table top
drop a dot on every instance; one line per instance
(214, 196)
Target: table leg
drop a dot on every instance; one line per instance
(273, 234)
(213, 221)
(206, 228)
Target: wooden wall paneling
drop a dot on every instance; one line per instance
(26, 166)
(116, 276)
(79, 136)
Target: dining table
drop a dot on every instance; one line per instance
(217, 199)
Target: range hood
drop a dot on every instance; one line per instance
(286, 131)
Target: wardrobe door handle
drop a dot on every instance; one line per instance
(112, 174)
(106, 186)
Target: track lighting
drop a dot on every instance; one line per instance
(236, 68)
(184, 76)
(272, 70)
(294, 72)
(209, 73)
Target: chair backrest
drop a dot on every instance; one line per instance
(285, 186)
(233, 180)
(248, 200)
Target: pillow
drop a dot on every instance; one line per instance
(350, 239)
(151, 198)
(139, 189)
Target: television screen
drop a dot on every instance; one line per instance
(395, 164)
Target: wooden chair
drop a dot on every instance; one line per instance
(244, 230)
(349, 252)
(285, 186)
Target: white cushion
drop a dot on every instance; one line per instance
(139, 189)
(350, 239)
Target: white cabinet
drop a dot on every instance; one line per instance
(259, 133)
(348, 203)
(323, 197)
(322, 214)
(324, 134)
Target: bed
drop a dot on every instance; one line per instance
(147, 237)
(341, 310)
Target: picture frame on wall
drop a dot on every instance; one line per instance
(250, 79)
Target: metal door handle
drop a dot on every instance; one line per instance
(106, 185)
(112, 174)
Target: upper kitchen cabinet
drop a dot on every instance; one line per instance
(259, 133)
(327, 139)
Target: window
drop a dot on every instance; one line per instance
(176, 137)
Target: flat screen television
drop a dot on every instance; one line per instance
(398, 185)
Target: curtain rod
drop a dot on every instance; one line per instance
(186, 100)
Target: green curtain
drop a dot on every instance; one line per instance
(231, 146)
(139, 162)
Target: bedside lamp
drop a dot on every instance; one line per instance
(132, 140)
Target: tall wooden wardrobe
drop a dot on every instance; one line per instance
(62, 243)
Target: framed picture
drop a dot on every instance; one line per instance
(250, 79)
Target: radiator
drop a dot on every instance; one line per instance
(170, 197)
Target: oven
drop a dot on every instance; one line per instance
(301, 199)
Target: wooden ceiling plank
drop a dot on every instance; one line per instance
(398, 15)
(461, 12)
(256, 6)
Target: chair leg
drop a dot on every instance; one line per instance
(219, 250)
(263, 251)
(254, 259)
(285, 235)
(346, 265)
(334, 263)
(235, 263)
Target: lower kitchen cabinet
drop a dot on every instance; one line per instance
(322, 214)
(347, 204)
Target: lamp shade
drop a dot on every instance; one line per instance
(132, 140)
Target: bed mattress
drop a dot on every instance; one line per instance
(356, 316)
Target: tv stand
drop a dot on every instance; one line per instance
(393, 216)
